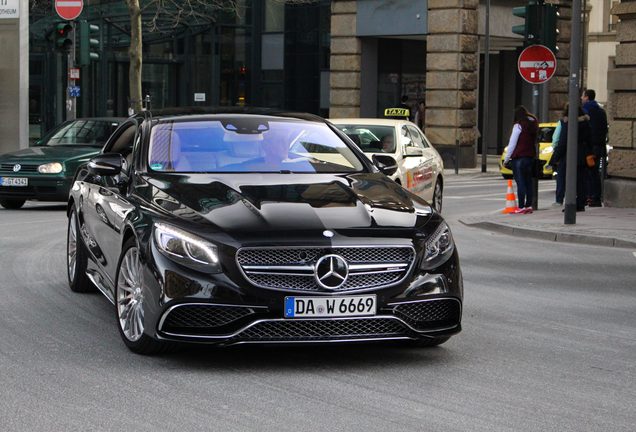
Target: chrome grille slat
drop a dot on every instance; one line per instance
(291, 269)
(8, 168)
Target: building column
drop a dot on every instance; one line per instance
(345, 61)
(451, 79)
(620, 188)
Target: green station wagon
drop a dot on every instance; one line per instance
(45, 171)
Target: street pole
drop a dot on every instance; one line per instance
(573, 114)
(484, 126)
(535, 175)
(71, 102)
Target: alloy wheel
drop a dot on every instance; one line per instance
(71, 247)
(130, 296)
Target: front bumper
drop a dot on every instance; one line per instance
(225, 309)
(41, 188)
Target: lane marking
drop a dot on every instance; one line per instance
(634, 254)
(499, 194)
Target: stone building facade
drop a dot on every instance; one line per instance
(620, 188)
(452, 42)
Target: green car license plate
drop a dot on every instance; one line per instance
(320, 307)
(14, 181)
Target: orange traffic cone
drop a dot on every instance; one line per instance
(511, 200)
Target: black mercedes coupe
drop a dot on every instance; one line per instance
(257, 227)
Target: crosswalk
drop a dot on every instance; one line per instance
(485, 188)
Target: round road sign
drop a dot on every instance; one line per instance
(69, 9)
(537, 64)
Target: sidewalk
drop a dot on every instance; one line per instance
(601, 226)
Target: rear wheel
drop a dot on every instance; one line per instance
(76, 258)
(12, 203)
(129, 297)
(437, 196)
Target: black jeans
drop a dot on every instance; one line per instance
(522, 171)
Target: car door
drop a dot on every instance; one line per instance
(106, 205)
(421, 178)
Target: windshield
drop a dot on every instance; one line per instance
(371, 139)
(249, 144)
(82, 133)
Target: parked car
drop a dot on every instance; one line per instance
(233, 228)
(420, 167)
(45, 171)
(546, 130)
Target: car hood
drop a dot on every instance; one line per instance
(259, 204)
(43, 154)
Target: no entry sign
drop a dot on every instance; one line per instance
(537, 64)
(69, 9)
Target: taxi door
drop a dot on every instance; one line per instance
(419, 164)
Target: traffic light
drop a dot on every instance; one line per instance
(63, 36)
(531, 27)
(88, 44)
(549, 32)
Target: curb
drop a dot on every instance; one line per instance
(551, 235)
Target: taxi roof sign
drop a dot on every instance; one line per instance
(397, 112)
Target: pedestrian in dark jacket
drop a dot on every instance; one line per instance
(560, 173)
(598, 135)
(522, 153)
(583, 150)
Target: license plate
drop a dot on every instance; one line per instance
(310, 307)
(14, 181)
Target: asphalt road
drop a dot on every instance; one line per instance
(549, 344)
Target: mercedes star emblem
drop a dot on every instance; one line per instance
(17, 167)
(331, 271)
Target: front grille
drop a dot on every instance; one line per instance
(24, 168)
(293, 268)
(301, 330)
(203, 316)
(429, 314)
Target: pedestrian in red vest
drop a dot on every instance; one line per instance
(522, 153)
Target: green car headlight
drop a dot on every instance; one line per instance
(51, 168)
(186, 248)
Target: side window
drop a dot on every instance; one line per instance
(123, 143)
(417, 137)
(405, 133)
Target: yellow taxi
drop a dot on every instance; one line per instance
(546, 130)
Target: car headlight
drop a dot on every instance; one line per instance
(51, 168)
(186, 248)
(439, 247)
(547, 150)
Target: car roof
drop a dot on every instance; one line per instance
(108, 119)
(201, 113)
(369, 121)
(548, 124)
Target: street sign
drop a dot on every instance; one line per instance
(74, 73)
(69, 9)
(537, 64)
(74, 91)
(9, 9)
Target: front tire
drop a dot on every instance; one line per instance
(76, 258)
(129, 300)
(438, 196)
(12, 203)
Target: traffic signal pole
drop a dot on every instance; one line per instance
(573, 114)
(71, 102)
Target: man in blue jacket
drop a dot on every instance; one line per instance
(598, 129)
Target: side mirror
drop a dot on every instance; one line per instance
(413, 151)
(386, 164)
(107, 164)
